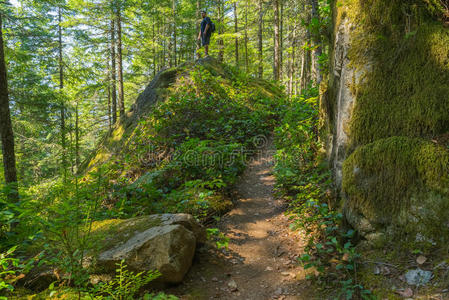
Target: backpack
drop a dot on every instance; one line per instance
(212, 27)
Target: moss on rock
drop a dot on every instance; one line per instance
(405, 91)
(401, 181)
(393, 173)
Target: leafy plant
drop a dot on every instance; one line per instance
(11, 270)
(221, 240)
(126, 285)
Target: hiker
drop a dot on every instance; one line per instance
(205, 32)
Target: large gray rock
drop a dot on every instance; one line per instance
(164, 242)
(343, 77)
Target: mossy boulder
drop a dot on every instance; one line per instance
(398, 182)
(386, 102)
(164, 242)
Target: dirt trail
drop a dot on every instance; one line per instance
(261, 262)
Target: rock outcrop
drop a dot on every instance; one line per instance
(164, 242)
(386, 111)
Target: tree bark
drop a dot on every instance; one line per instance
(121, 94)
(6, 132)
(236, 30)
(276, 40)
(113, 73)
(259, 38)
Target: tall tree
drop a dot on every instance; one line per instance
(198, 22)
(113, 71)
(236, 30)
(61, 95)
(260, 38)
(220, 41)
(121, 93)
(6, 132)
(317, 50)
(174, 32)
(277, 56)
(246, 37)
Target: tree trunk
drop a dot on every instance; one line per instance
(6, 132)
(236, 30)
(174, 34)
(281, 39)
(113, 73)
(317, 52)
(246, 38)
(276, 40)
(305, 70)
(121, 94)
(198, 20)
(164, 45)
(259, 37)
(293, 60)
(220, 31)
(306, 63)
(61, 103)
(154, 49)
(77, 138)
(109, 100)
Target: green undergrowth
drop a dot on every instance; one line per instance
(303, 178)
(181, 154)
(185, 154)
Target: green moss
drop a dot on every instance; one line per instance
(380, 178)
(406, 91)
(115, 231)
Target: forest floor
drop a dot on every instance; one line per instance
(261, 259)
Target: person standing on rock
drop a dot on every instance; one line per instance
(205, 32)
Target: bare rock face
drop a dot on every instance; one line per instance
(164, 242)
(343, 76)
(169, 249)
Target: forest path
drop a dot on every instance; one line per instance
(261, 261)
